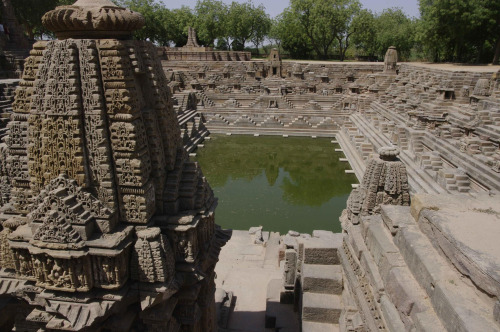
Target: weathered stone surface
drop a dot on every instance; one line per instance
(395, 217)
(321, 308)
(322, 279)
(465, 231)
(105, 210)
(322, 251)
(391, 316)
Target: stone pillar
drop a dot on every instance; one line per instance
(390, 60)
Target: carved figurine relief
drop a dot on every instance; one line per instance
(92, 142)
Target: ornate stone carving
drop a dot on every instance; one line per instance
(92, 162)
(385, 182)
(152, 257)
(108, 20)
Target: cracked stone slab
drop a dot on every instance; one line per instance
(466, 230)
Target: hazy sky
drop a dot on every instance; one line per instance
(275, 7)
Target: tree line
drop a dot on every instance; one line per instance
(447, 31)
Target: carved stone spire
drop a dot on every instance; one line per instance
(92, 19)
(385, 182)
(192, 42)
(103, 200)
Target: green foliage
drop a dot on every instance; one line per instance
(244, 23)
(460, 30)
(156, 17)
(261, 26)
(29, 13)
(394, 28)
(239, 24)
(378, 32)
(210, 20)
(365, 39)
(178, 23)
(287, 32)
(325, 21)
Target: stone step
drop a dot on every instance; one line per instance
(321, 308)
(419, 182)
(455, 302)
(319, 327)
(326, 279)
(321, 249)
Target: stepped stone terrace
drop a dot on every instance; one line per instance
(418, 249)
(106, 224)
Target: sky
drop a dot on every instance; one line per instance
(275, 7)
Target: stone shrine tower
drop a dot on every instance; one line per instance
(390, 60)
(385, 182)
(106, 224)
(274, 63)
(192, 38)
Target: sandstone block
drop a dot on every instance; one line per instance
(322, 279)
(395, 217)
(391, 315)
(321, 308)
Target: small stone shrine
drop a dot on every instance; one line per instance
(192, 51)
(385, 182)
(390, 60)
(106, 224)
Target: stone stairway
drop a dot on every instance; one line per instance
(299, 122)
(418, 179)
(256, 101)
(271, 122)
(244, 121)
(322, 282)
(181, 100)
(218, 120)
(206, 100)
(183, 117)
(452, 296)
(15, 58)
(288, 102)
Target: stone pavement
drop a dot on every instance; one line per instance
(246, 269)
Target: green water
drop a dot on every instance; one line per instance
(280, 183)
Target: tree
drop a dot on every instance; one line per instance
(346, 11)
(364, 39)
(288, 33)
(317, 18)
(326, 21)
(274, 35)
(261, 26)
(210, 22)
(239, 25)
(155, 15)
(461, 30)
(177, 26)
(394, 28)
(30, 12)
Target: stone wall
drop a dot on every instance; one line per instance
(251, 97)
